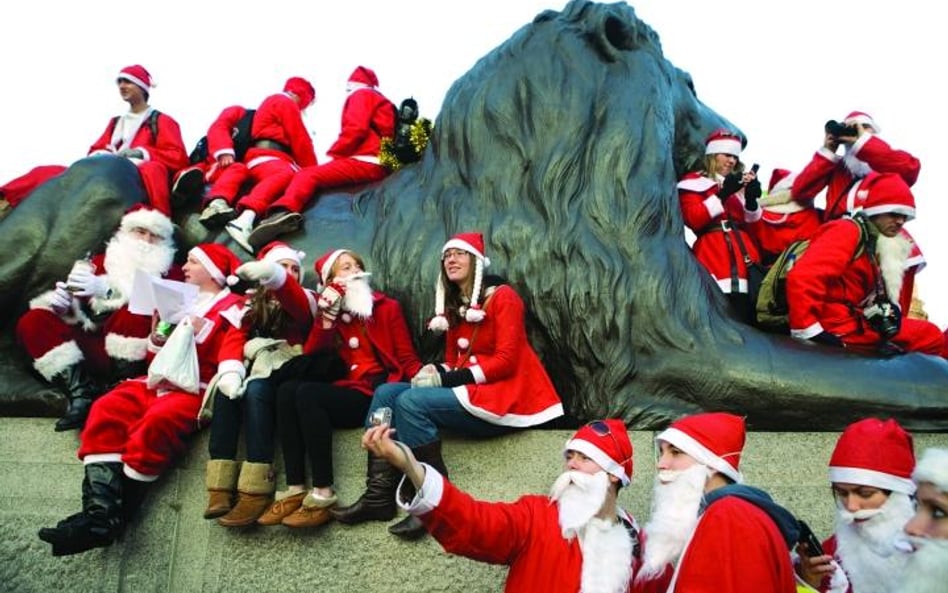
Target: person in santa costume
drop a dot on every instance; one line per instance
(717, 203)
(490, 383)
(157, 156)
(870, 473)
(81, 333)
(864, 153)
(367, 331)
(280, 147)
(708, 531)
(783, 220)
(135, 431)
(926, 570)
(844, 289)
(271, 337)
(575, 539)
(367, 117)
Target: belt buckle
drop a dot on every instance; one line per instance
(725, 226)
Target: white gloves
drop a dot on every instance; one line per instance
(428, 376)
(85, 283)
(330, 300)
(258, 271)
(231, 384)
(131, 153)
(61, 299)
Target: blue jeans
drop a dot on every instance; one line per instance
(257, 408)
(418, 413)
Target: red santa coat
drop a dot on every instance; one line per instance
(524, 535)
(511, 386)
(378, 346)
(736, 548)
(279, 119)
(827, 170)
(827, 290)
(705, 215)
(220, 142)
(146, 428)
(778, 227)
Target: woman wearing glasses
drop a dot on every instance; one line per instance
(490, 383)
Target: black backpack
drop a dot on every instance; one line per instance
(240, 133)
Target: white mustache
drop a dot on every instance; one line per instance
(860, 515)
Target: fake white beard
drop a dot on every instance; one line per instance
(892, 252)
(867, 549)
(580, 497)
(607, 557)
(676, 498)
(926, 569)
(125, 253)
(856, 167)
(358, 299)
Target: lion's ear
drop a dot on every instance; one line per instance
(613, 34)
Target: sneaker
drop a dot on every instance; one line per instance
(274, 226)
(217, 213)
(188, 185)
(239, 233)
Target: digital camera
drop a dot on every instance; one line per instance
(884, 318)
(834, 128)
(381, 416)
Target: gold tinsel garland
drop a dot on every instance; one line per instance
(419, 133)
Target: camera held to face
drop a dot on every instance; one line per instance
(834, 128)
(884, 318)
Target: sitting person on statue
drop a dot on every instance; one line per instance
(134, 431)
(717, 203)
(81, 333)
(271, 337)
(366, 331)
(575, 539)
(490, 383)
(148, 138)
(367, 118)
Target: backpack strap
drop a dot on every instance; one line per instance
(153, 123)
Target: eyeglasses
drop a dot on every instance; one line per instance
(453, 253)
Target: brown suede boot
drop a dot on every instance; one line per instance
(312, 513)
(281, 508)
(221, 480)
(254, 494)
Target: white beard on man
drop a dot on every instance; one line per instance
(926, 568)
(358, 299)
(866, 544)
(126, 253)
(676, 499)
(606, 544)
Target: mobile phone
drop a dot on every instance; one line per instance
(807, 537)
(381, 416)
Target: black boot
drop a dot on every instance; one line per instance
(101, 518)
(133, 496)
(411, 527)
(80, 390)
(377, 503)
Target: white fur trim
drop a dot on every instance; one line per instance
(455, 243)
(428, 497)
(479, 377)
(152, 220)
(126, 347)
(701, 454)
(231, 366)
(58, 359)
(696, 184)
(908, 211)
(515, 420)
(599, 456)
(753, 215)
(714, 206)
(858, 144)
(933, 467)
(234, 314)
(137, 475)
(135, 80)
(828, 155)
(101, 458)
(725, 285)
(724, 146)
(868, 477)
(209, 265)
(807, 332)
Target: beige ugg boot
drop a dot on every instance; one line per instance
(221, 480)
(254, 494)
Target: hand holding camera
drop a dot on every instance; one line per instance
(884, 318)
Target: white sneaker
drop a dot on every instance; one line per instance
(217, 212)
(239, 231)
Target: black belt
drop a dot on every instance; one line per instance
(271, 145)
(722, 226)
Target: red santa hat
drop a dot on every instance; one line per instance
(933, 467)
(724, 142)
(860, 117)
(277, 251)
(219, 261)
(714, 439)
(885, 193)
(472, 243)
(325, 263)
(148, 218)
(874, 452)
(137, 75)
(607, 443)
(302, 89)
(778, 176)
(363, 76)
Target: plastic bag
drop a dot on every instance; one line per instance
(175, 366)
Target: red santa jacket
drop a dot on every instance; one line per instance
(827, 170)
(525, 535)
(279, 119)
(826, 288)
(367, 117)
(166, 148)
(220, 140)
(705, 215)
(779, 227)
(512, 387)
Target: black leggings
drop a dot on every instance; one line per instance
(307, 413)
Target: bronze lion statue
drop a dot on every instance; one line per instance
(563, 146)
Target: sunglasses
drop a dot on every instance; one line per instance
(602, 429)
